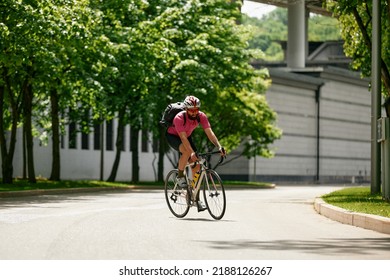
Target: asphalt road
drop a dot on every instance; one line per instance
(272, 224)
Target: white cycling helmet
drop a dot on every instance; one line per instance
(191, 102)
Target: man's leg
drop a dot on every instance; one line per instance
(175, 142)
(183, 157)
(183, 160)
(181, 165)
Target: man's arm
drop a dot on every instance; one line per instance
(210, 134)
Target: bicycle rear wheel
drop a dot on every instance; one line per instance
(214, 194)
(175, 196)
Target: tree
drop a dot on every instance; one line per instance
(70, 59)
(44, 45)
(16, 68)
(355, 18)
(211, 61)
(356, 22)
(271, 29)
(74, 53)
(125, 74)
(61, 70)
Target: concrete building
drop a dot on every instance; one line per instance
(324, 113)
(323, 110)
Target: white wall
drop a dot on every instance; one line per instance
(344, 129)
(85, 164)
(344, 137)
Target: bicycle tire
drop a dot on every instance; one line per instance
(176, 197)
(214, 194)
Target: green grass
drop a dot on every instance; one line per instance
(359, 199)
(44, 184)
(242, 184)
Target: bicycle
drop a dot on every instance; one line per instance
(180, 200)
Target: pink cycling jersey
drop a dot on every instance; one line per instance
(189, 126)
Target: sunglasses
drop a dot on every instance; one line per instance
(193, 110)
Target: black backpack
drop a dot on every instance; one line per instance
(171, 111)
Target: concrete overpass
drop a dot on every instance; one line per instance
(297, 40)
(313, 6)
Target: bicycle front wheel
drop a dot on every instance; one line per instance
(214, 194)
(175, 196)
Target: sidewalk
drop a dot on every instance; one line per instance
(367, 221)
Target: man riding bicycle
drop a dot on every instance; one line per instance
(179, 138)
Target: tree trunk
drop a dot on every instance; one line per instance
(6, 159)
(8, 154)
(385, 73)
(162, 148)
(56, 160)
(29, 136)
(135, 156)
(24, 155)
(118, 145)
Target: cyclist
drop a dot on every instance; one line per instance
(179, 138)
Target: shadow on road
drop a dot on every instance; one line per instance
(44, 198)
(206, 220)
(331, 247)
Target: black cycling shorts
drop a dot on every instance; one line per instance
(174, 141)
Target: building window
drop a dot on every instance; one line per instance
(72, 136)
(84, 141)
(62, 140)
(131, 134)
(109, 135)
(96, 136)
(144, 141)
(85, 132)
(130, 147)
(62, 130)
(123, 138)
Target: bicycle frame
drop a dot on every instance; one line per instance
(202, 171)
(180, 200)
(195, 189)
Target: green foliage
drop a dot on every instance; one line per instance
(271, 29)
(98, 58)
(212, 62)
(322, 28)
(50, 38)
(355, 18)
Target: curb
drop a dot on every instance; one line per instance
(367, 221)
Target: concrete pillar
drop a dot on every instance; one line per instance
(296, 41)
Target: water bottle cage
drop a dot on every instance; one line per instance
(195, 180)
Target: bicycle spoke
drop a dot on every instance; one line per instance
(179, 200)
(214, 195)
(175, 196)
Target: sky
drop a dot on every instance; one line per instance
(255, 9)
